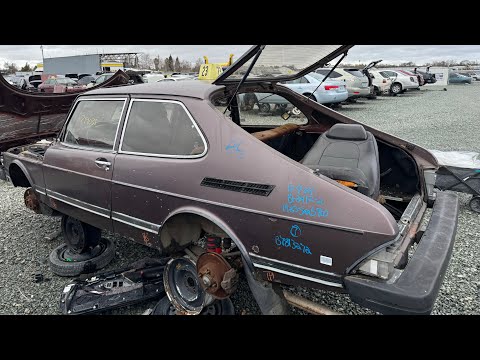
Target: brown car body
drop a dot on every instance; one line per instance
(166, 202)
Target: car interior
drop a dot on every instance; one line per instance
(347, 153)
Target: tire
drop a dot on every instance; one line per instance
(396, 88)
(78, 235)
(474, 204)
(62, 267)
(265, 108)
(218, 307)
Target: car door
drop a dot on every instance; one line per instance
(78, 167)
(298, 85)
(160, 140)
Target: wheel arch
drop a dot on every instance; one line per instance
(19, 174)
(213, 219)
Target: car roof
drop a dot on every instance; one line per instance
(192, 88)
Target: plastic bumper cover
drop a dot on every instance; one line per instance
(415, 290)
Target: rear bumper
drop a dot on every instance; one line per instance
(415, 290)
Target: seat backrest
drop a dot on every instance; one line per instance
(348, 146)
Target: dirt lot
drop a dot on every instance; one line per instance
(431, 117)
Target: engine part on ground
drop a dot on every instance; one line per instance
(38, 278)
(31, 201)
(218, 278)
(307, 305)
(218, 307)
(269, 296)
(79, 236)
(183, 288)
(213, 244)
(64, 262)
(138, 282)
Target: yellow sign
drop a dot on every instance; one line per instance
(209, 71)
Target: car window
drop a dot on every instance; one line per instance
(354, 72)
(100, 79)
(94, 123)
(266, 109)
(333, 75)
(161, 128)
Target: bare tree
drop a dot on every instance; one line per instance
(10, 68)
(26, 67)
(177, 65)
(197, 65)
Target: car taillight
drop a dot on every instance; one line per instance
(331, 87)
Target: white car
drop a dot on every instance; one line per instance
(152, 77)
(356, 82)
(400, 81)
(381, 83)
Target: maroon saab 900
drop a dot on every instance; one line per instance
(321, 200)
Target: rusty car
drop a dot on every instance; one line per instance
(321, 200)
(25, 116)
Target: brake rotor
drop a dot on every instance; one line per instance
(182, 286)
(211, 269)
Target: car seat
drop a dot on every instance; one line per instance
(349, 154)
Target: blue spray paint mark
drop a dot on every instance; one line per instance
(286, 242)
(295, 231)
(302, 201)
(234, 148)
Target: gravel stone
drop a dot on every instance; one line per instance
(430, 117)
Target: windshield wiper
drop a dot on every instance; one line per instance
(254, 60)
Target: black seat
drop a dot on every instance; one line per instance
(347, 152)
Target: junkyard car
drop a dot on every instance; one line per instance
(456, 78)
(400, 81)
(355, 80)
(328, 203)
(65, 84)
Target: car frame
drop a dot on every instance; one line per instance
(291, 222)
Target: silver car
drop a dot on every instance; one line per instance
(355, 80)
(329, 92)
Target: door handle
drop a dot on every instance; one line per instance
(103, 163)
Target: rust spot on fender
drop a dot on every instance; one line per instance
(146, 239)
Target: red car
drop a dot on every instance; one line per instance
(51, 85)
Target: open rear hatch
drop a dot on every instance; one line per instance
(280, 62)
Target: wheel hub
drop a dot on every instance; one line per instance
(183, 288)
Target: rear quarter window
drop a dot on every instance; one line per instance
(333, 75)
(161, 128)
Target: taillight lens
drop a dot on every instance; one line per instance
(331, 87)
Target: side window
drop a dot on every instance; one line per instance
(267, 109)
(303, 80)
(161, 128)
(94, 123)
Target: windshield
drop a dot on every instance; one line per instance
(284, 60)
(65, 81)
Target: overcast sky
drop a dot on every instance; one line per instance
(393, 54)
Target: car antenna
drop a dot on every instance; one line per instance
(245, 76)
(328, 74)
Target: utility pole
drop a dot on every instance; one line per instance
(41, 48)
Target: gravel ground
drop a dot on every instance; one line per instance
(429, 117)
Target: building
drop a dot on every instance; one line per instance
(89, 64)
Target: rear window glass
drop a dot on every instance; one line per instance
(333, 75)
(161, 128)
(354, 72)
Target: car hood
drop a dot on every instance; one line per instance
(280, 62)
